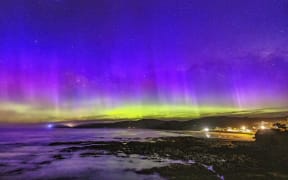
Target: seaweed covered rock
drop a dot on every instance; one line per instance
(273, 138)
(273, 147)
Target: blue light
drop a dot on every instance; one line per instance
(49, 126)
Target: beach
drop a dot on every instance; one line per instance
(132, 154)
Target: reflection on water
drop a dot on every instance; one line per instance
(26, 154)
(42, 136)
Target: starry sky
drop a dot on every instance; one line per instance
(89, 59)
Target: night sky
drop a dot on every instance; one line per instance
(79, 59)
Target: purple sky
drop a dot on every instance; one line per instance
(61, 58)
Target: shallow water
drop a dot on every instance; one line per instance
(25, 154)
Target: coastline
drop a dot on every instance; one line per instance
(225, 158)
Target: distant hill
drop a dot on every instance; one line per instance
(195, 124)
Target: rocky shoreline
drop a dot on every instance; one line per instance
(222, 158)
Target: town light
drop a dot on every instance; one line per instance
(206, 129)
(71, 125)
(248, 130)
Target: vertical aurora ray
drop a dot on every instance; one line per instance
(132, 59)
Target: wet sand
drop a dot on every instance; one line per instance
(232, 136)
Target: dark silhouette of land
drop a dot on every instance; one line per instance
(195, 124)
